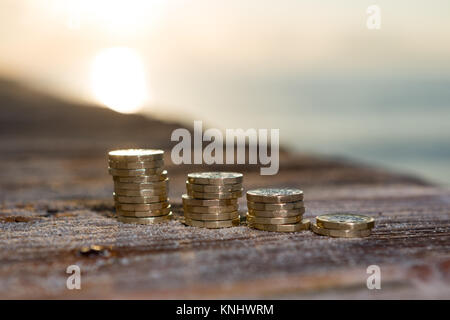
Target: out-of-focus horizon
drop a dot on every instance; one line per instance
(311, 69)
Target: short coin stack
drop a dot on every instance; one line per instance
(343, 225)
(276, 209)
(140, 185)
(212, 199)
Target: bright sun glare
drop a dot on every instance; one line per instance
(118, 79)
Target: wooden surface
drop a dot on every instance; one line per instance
(55, 197)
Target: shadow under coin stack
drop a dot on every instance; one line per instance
(140, 185)
(212, 199)
(276, 209)
(343, 225)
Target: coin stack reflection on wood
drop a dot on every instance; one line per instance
(212, 199)
(140, 185)
(276, 209)
(343, 225)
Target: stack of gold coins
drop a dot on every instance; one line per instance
(212, 199)
(343, 225)
(140, 185)
(276, 209)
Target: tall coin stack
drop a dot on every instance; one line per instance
(276, 209)
(343, 225)
(212, 199)
(140, 185)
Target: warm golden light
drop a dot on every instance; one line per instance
(118, 16)
(118, 79)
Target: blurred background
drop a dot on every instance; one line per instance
(310, 68)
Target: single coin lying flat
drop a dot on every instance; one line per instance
(340, 233)
(345, 221)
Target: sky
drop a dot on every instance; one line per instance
(310, 68)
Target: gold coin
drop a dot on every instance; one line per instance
(142, 179)
(141, 206)
(203, 209)
(136, 165)
(340, 233)
(211, 216)
(259, 220)
(135, 172)
(275, 195)
(277, 214)
(275, 206)
(141, 193)
(136, 155)
(215, 178)
(187, 200)
(210, 188)
(152, 199)
(144, 214)
(212, 224)
(142, 186)
(206, 195)
(294, 227)
(149, 220)
(345, 221)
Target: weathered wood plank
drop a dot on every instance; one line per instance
(55, 197)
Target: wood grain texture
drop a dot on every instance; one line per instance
(55, 197)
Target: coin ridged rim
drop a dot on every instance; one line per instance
(152, 199)
(212, 224)
(142, 186)
(324, 221)
(145, 214)
(135, 154)
(211, 216)
(149, 220)
(135, 172)
(215, 178)
(277, 214)
(141, 206)
(136, 164)
(211, 196)
(294, 227)
(275, 206)
(274, 195)
(187, 200)
(142, 179)
(212, 188)
(340, 233)
(261, 220)
(211, 209)
(141, 193)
